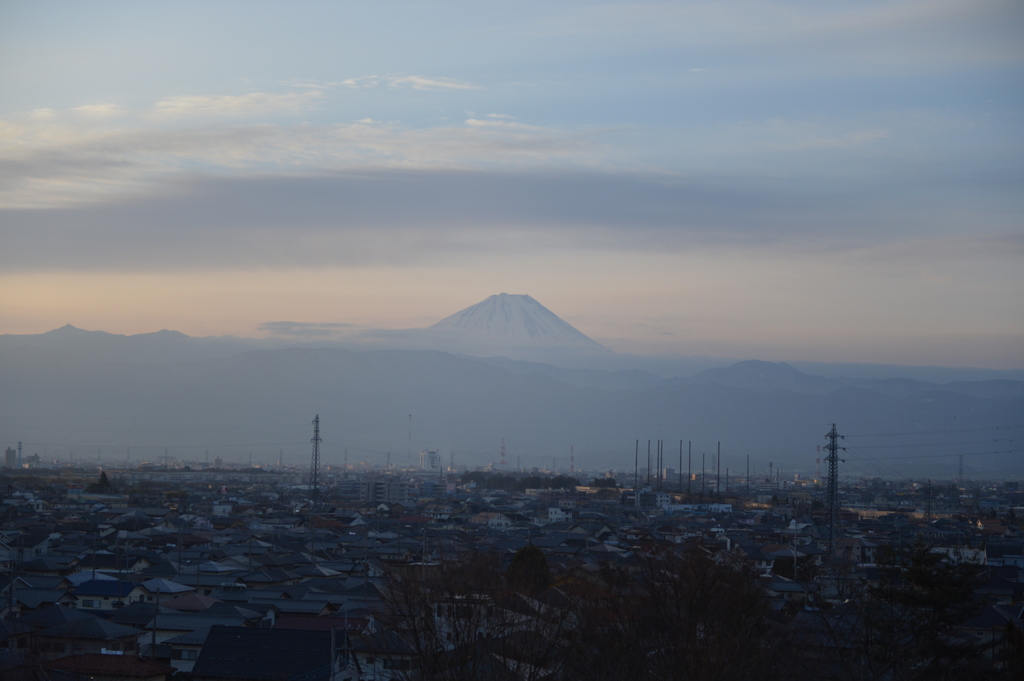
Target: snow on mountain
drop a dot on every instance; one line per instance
(518, 319)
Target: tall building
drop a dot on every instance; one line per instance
(388, 489)
(10, 457)
(430, 460)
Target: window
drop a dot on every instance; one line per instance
(90, 604)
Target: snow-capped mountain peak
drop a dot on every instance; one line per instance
(516, 319)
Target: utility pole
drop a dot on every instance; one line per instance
(636, 466)
(657, 462)
(648, 463)
(689, 464)
(832, 498)
(314, 467)
(661, 464)
(658, 477)
(680, 466)
(718, 478)
(928, 501)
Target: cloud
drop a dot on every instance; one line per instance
(794, 37)
(307, 330)
(99, 109)
(55, 159)
(421, 83)
(396, 217)
(247, 105)
(408, 82)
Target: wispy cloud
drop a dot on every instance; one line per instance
(407, 82)
(57, 156)
(247, 105)
(901, 34)
(421, 83)
(310, 331)
(97, 110)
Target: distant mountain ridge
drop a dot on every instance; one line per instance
(261, 401)
(158, 347)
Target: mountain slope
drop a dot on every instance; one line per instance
(510, 318)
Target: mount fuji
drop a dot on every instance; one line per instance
(516, 327)
(515, 319)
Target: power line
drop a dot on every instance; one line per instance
(942, 456)
(935, 432)
(938, 444)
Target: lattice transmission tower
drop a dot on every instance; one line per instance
(314, 467)
(832, 498)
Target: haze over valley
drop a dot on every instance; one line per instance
(196, 399)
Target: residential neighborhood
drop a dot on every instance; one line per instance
(164, 573)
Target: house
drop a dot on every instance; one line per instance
(106, 667)
(858, 550)
(263, 654)
(382, 656)
(559, 515)
(169, 625)
(88, 634)
(106, 594)
(493, 520)
(185, 649)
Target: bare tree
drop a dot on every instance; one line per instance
(683, 616)
(463, 622)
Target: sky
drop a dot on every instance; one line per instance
(818, 181)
